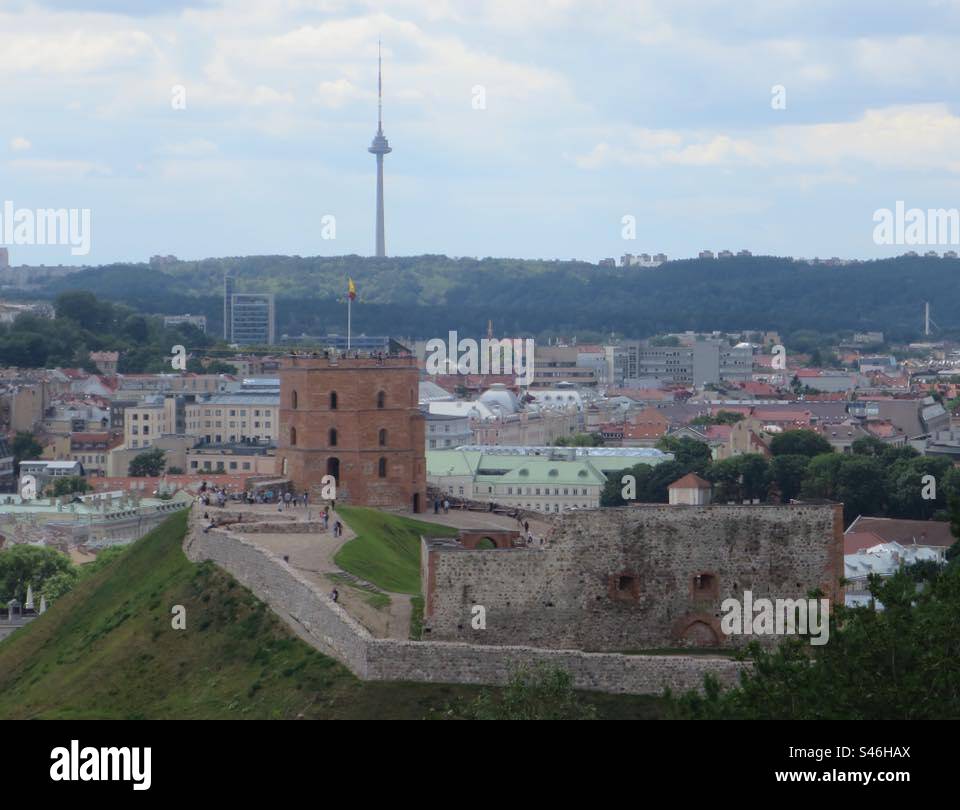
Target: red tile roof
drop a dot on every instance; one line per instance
(857, 541)
(905, 532)
(691, 481)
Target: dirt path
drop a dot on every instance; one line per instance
(312, 554)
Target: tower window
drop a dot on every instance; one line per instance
(381, 400)
(382, 468)
(333, 400)
(293, 437)
(383, 437)
(333, 437)
(293, 400)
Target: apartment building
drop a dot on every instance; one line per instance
(226, 418)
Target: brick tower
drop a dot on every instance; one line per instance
(357, 419)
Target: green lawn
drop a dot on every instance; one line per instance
(386, 550)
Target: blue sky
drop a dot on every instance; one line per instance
(594, 110)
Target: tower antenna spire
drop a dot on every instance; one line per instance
(380, 147)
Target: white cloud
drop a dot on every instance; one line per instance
(920, 136)
(59, 169)
(20, 144)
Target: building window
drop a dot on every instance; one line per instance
(382, 468)
(381, 400)
(333, 437)
(333, 400)
(383, 437)
(705, 586)
(293, 437)
(293, 402)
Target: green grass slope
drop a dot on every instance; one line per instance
(386, 550)
(107, 650)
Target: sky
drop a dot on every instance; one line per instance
(521, 128)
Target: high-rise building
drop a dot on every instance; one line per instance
(252, 319)
(228, 285)
(380, 147)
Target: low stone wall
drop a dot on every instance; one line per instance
(313, 527)
(329, 628)
(441, 662)
(293, 598)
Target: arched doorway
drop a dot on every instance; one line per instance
(416, 503)
(699, 634)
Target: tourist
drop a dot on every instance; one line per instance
(335, 595)
(446, 506)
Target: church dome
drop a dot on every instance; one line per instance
(499, 397)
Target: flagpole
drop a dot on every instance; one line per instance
(349, 302)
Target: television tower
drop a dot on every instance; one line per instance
(380, 147)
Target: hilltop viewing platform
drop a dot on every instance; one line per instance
(352, 360)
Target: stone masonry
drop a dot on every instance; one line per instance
(634, 578)
(357, 419)
(331, 630)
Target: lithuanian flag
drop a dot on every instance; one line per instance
(351, 289)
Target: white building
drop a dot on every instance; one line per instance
(884, 559)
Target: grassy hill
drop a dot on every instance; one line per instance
(386, 550)
(107, 650)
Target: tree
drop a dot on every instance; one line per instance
(721, 418)
(788, 472)
(860, 487)
(23, 565)
(69, 485)
(908, 481)
(196, 366)
(580, 440)
(822, 475)
(612, 493)
(741, 478)
(148, 464)
(24, 448)
(83, 308)
(911, 650)
(694, 455)
(533, 693)
(799, 443)
(59, 584)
